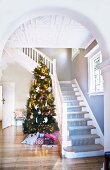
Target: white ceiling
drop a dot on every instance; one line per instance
(51, 32)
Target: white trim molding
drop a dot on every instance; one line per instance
(75, 52)
(105, 66)
(93, 51)
(94, 54)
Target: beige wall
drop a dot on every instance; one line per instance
(80, 73)
(63, 61)
(22, 79)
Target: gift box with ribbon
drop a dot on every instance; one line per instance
(39, 141)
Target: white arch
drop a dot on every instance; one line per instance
(59, 11)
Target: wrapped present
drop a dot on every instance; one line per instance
(41, 135)
(50, 136)
(39, 141)
(56, 134)
(30, 139)
(48, 141)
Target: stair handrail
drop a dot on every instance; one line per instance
(34, 54)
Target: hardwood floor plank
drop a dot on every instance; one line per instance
(17, 156)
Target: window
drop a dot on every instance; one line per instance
(95, 77)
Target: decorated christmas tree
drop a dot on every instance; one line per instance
(40, 104)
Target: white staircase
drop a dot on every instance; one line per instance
(82, 139)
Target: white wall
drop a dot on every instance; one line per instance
(22, 79)
(0, 103)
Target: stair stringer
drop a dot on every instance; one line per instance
(91, 115)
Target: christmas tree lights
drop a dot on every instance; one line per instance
(40, 104)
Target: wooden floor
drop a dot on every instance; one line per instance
(14, 155)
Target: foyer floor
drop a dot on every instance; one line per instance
(17, 156)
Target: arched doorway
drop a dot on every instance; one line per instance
(69, 13)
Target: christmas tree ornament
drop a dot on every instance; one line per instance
(36, 120)
(42, 70)
(46, 86)
(39, 112)
(37, 89)
(36, 107)
(48, 113)
(42, 77)
(31, 117)
(45, 120)
(49, 89)
(34, 96)
(41, 97)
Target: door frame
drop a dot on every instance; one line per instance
(13, 104)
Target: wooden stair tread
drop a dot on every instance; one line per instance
(75, 106)
(69, 101)
(88, 136)
(87, 148)
(67, 91)
(78, 112)
(78, 119)
(81, 127)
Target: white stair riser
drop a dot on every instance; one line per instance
(69, 143)
(77, 93)
(97, 141)
(84, 109)
(75, 89)
(83, 154)
(81, 103)
(74, 85)
(79, 98)
(93, 131)
(86, 116)
(89, 122)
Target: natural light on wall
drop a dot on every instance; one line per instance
(75, 52)
(95, 83)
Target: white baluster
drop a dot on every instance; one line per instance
(32, 55)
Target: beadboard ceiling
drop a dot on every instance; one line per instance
(50, 32)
